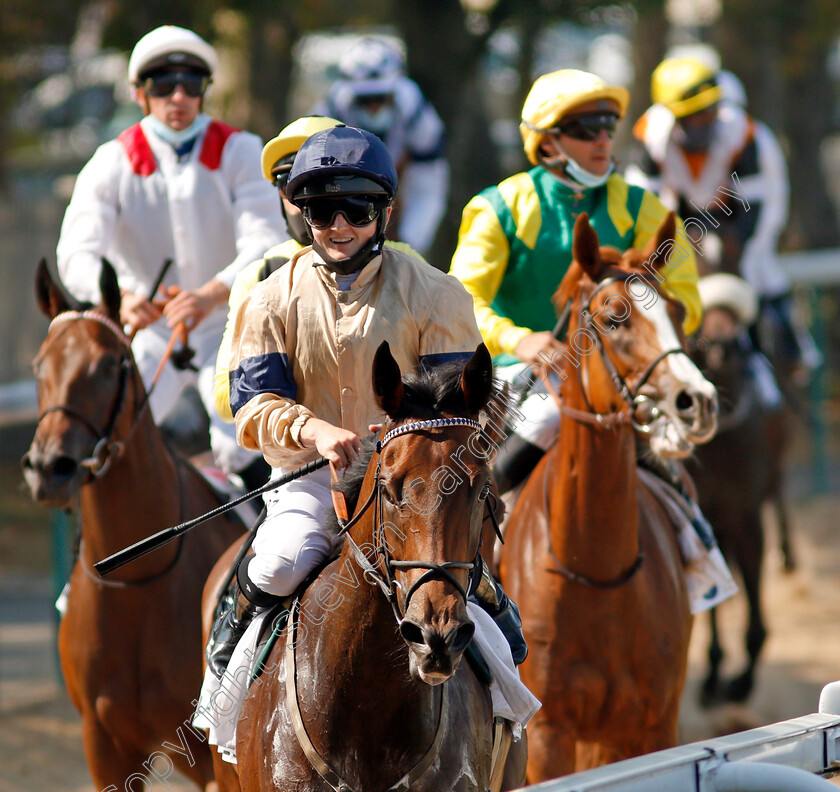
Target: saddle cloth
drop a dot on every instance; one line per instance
(708, 578)
(221, 700)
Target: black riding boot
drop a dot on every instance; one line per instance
(241, 602)
(515, 460)
(490, 595)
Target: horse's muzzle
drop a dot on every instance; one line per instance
(698, 413)
(53, 479)
(434, 654)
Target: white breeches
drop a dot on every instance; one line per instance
(538, 417)
(292, 541)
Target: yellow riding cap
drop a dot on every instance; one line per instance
(553, 95)
(290, 139)
(685, 86)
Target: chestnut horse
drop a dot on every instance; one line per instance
(735, 473)
(130, 647)
(591, 557)
(379, 692)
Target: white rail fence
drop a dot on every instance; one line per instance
(781, 757)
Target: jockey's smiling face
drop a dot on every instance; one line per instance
(340, 239)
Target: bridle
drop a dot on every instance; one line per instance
(381, 573)
(631, 396)
(105, 449)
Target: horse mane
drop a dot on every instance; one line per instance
(429, 393)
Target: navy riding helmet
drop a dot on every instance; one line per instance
(338, 163)
(342, 161)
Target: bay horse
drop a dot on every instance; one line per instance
(368, 688)
(735, 474)
(590, 555)
(130, 647)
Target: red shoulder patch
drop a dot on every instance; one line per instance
(214, 142)
(138, 150)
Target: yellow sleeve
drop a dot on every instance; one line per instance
(679, 265)
(243, 281)
(479, 262)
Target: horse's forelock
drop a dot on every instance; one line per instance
(429, 394)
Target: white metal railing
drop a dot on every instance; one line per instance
(781, 757)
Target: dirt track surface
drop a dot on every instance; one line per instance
(40, 746)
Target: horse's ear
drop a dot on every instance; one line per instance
(586, 249)
(477, 380)
(109, 288)
(387, 381)
(49, 294)
(664, 234)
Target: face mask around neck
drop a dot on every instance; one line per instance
(178, 137)
(575, 173)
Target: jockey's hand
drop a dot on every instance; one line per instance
(338, 445)
(529, 348)
(137, 312)
(191, 306)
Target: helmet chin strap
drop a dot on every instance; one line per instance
(367, 252)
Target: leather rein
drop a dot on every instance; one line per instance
(381, 574)
(631, 396)
(634, 399)
(106, 449)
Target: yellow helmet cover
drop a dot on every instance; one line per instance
(553, 95)
(291, 138)
(685, 86)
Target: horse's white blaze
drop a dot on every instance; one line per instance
(683, 368)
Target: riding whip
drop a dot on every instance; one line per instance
(132, 552)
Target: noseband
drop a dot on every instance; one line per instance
(381, 571)
(105, 450)
(632, 396)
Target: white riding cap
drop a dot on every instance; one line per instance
(170, 45)
(723, 290)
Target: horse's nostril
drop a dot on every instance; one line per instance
(461, 637)
(684, 401)
(26, 462)
(64, 467)
(411, 632)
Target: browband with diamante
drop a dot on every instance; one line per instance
(418, 426)
(68, 316)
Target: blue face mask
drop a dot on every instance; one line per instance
(178, 137)
(378, 122)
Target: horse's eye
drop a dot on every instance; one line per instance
(387, 494)
(109, 366)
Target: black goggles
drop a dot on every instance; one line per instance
(358, 210)
(161, 85)
(588, 127)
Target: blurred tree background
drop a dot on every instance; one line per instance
(475, 60)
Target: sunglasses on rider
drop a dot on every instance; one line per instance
(161, 85)
(588, 127)
(358, 210)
